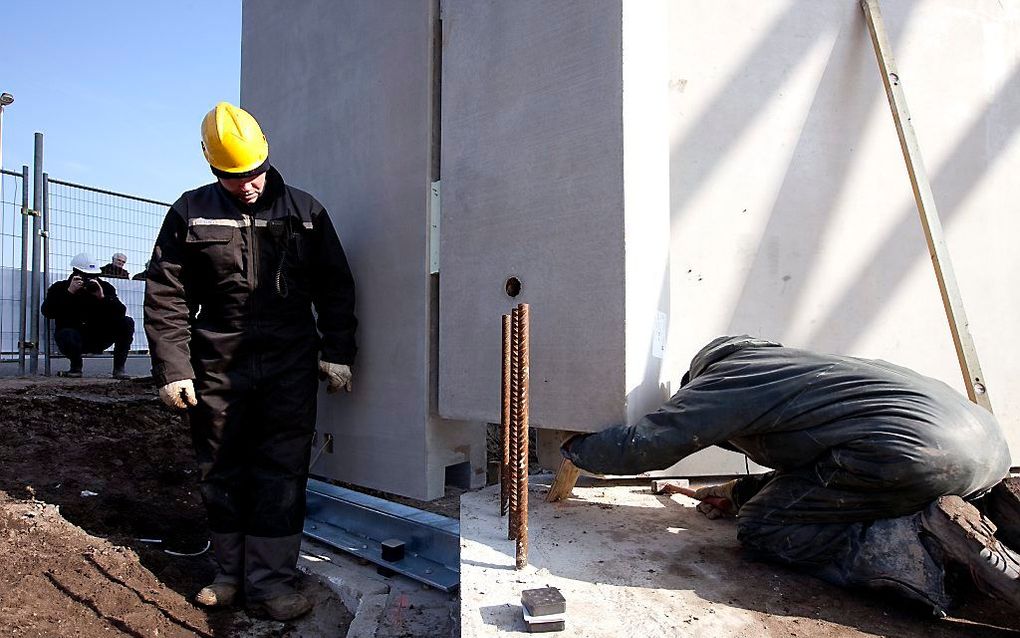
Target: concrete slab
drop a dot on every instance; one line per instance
(630, 563)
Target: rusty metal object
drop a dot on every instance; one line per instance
(522, 421)
(515, 381)
(504, 422)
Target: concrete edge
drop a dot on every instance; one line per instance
(362, 595)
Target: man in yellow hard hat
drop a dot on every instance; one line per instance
(235, 273)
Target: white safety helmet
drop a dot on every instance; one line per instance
(83, 263)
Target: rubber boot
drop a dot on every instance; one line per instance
(271, 577)
(229, 552)
(891, 555)
(968, 538)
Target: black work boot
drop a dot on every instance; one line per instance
(968, 538)
(271, 576)
(229, 552)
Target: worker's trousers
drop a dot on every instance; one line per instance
(777, 521)
(74, 343)
(252, 436)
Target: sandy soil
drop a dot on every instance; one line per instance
(97, 479)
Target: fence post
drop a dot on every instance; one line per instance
(23, 297)
(47, 342)
(33, 311)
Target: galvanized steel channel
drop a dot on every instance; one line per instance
(358, 523)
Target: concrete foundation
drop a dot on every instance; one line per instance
(630, 563)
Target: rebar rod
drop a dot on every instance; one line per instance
(523, 377)
(504, 422)
(514, 465)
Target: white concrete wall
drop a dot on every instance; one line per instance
(343, 90)
(792, 214)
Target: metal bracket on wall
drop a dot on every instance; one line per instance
(358, 523)
(435, 210)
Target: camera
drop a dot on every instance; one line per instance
(91, 285)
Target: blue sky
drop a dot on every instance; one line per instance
(118, 88)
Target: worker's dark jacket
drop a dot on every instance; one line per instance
(227, 282)
(114, 271)
(851, 439)
(83, 311)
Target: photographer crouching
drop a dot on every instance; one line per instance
(89, 317)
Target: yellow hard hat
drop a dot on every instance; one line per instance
(233, 142)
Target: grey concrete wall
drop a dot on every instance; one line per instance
(532, 172)
(780, 208)
(343, 92)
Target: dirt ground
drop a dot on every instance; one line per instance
(97, 480)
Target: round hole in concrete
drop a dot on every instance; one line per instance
(513, 286)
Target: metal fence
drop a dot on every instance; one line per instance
(12, 197)
(38, 241)
(101, 223)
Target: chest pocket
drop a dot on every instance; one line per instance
(216, 247)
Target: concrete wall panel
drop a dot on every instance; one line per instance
(343, 92)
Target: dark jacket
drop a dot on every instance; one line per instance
(114, 272)
(231, 288)
(858, 421)
(83, 311)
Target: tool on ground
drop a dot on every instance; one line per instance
(952, 300)
(514, 422)
(659, 486)
(545, 609)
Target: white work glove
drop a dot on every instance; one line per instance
(338, 374)
(179, 394)
(724, 494)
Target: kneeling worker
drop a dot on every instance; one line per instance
(236, 270)
(89, 317)
(875, 466)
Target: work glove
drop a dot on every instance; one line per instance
(338, 374)
(717, 500)
(179, 394)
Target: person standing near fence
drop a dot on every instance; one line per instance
(89, 317)
(115, 269)
(237, 267)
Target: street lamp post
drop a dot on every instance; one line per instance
(6, 99)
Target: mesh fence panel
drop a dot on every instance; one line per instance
(101, 223)
(11, 189)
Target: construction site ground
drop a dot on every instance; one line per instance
(93, 472)
(635, 564)
(97, 480)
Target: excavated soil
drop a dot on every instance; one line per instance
(97, 485)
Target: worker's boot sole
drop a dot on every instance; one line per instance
(968, 538)
(1002, 505)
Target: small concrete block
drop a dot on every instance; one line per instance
(543, 602)
(661, 486)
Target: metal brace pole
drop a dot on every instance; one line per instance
(26, 239)
(33, 310)
(952, 300)
(47, 342)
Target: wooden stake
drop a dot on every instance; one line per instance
(952, 300)
(563, 484)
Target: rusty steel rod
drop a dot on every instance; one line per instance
(523, 382)
(504, 422)
(514, 472)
